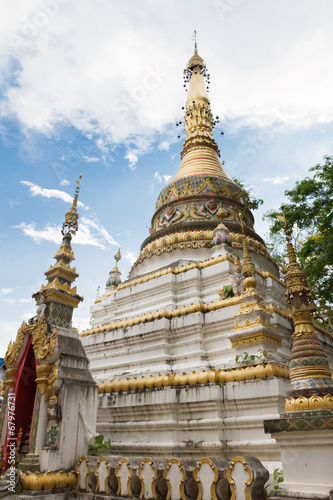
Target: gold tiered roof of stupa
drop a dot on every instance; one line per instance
(190, 203)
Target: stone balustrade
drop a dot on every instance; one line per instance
(171, 479)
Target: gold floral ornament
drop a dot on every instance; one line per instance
(46, 377)
(71, 221)
(43, 344)
(14, 348)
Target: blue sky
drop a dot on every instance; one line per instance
(95, 87)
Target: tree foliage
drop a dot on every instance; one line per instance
(252, 202)
(310, 212)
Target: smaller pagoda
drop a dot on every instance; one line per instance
(58, 298)
(48, 387)
(304, 431)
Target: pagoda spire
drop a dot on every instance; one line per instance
(310, 375)
(198, 118)
(58, 295)
(71, 219)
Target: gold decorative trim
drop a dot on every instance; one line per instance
(256, 338)
(56, 285)
(194, 378)
(14, 348)
(182, 311)
(232, 482)
(42, 343)
(128, 485)
(248, 307)
(58, 296)
(317, 371)
(177, 270)
(49, 480)
(153, 484)
(252, 324)
(64, 251)
(106, 486)
(284, 313)
(312, 403)
(303, 323)
(46, 377)
(197, 478)
(9, 380)
(182, 481)
(194, 239)
(200, 265)
(267, 274)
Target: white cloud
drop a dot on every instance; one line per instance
(90, 159)
(80, 67)
(6, 291)
(132, 159)
(94, 224)
(71, 69)
(64, 182)
(130, 256)
(164, 145)
(13, 203)
(277, 179)
(90, 232)
(12, 300)
(160, 178)
(49, 233)
(36, 190)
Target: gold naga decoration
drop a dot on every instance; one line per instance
(43, 344)
(14, 348)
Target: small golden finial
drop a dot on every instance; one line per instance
(117, 256)
(71, 220)
(98, 289)
(298, 292)
(221, 215)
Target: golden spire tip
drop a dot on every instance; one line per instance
(71, 219)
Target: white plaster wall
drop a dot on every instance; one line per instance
(173, 421)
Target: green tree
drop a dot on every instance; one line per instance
(252, 202)
(310, 212)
